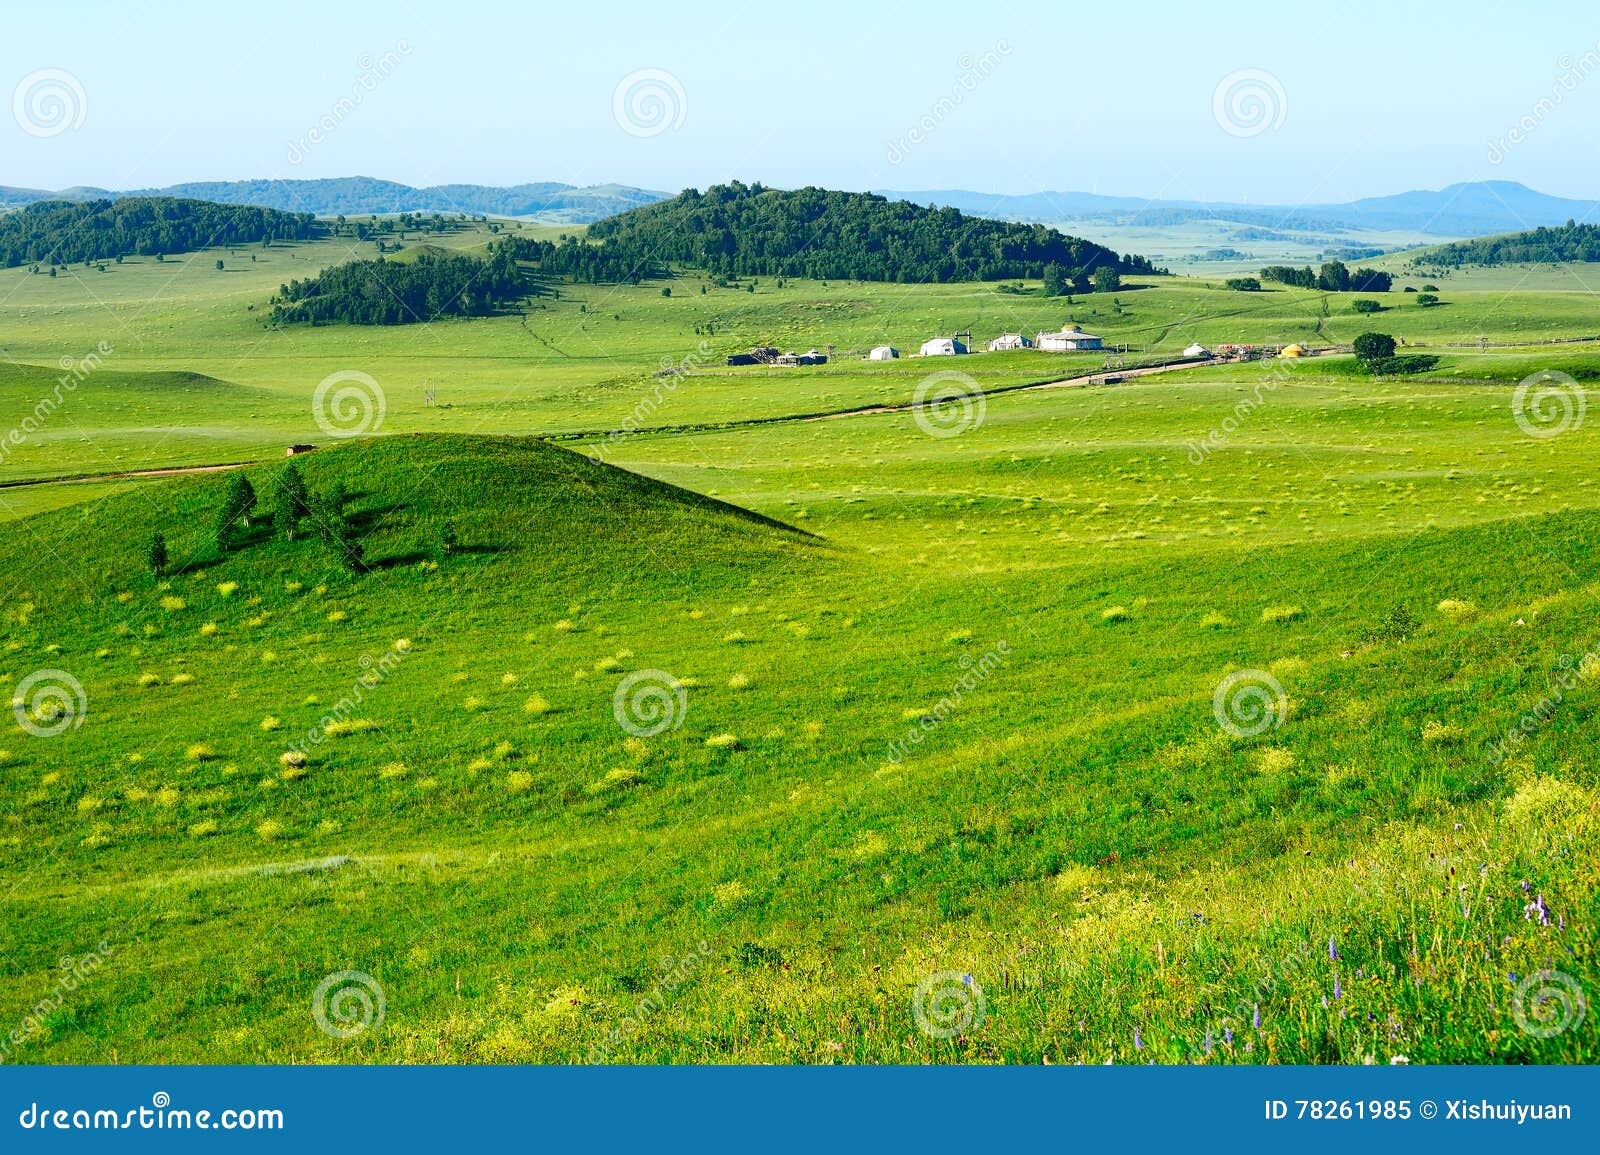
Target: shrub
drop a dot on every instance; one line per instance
(1374, 346)
(1243, 284)
(1427, 300)
(155, 554)
(1365, 306)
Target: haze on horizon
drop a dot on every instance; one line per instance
(1348, 100)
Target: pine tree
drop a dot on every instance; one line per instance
(156, 554)
(293, 501)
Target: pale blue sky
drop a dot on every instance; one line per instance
(1114, 98)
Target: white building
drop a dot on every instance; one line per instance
(883, 353)
(943, 347)
(1069, 340)
(1007, 341)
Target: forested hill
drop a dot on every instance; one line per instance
(1568, 242)
(750, 230)
(67, 232)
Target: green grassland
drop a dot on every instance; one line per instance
(942, 709)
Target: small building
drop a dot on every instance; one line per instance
(297, 450)
(1008, 341)
(1295, 350)
(813, 357)
(1069, 340)
(883, 353)
(760, 355)
(1197, 350)
(943, 347)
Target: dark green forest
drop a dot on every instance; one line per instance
(1568, 242)
(384, 292)
(68, 232)
(738, 230)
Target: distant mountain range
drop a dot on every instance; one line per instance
(549, 202)
(1471, 209)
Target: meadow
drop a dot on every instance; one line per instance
(1158, 721)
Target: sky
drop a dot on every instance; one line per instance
(1229, 101)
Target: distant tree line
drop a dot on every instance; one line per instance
(1332, 277)
(738, 230)
(612, 262)
(383, 292)
(1568, 242)
(68, 232)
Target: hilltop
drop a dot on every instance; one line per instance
(752, 230)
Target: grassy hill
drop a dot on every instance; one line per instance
(1068, 826)
(964, 730)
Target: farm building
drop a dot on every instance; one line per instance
(883, 353)
(1068, 340)
(760, 355)
(1197, 350)
(943, 347)
(810, 357)
(1007, 341)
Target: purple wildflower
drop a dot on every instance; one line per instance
(1338, 991)
(1138, 1040)
(1333, 950)
(1227, 1035)
(1208, 1042)
(1255, 1017)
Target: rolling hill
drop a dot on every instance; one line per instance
(549, 202)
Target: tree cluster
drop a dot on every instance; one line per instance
(1332, 277)
(68, 232)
